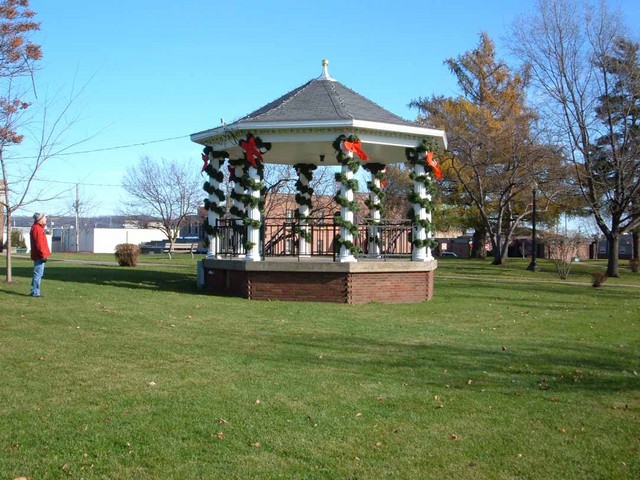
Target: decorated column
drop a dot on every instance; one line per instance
(374, 203)
(303, 198)
(214, 204)
(346, 147)
(253, 149)
(237, 210)
(424, 164)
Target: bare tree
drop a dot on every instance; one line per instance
(166, 190)
(569, 46)
(18, 57)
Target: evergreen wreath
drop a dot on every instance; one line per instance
(417, 156)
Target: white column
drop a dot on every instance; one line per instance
(347, 216)
(253, 233)
(303, 213)
(213, 216)
(374, 230)
(238, 191)
(421, 254)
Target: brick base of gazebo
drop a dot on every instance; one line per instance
(315, 280)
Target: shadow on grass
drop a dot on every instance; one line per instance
(535, 364)
(115, 276)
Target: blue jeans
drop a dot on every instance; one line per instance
(38, 272)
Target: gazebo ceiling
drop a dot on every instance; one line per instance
(302, 125)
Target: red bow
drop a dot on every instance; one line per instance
(251, 151)
(205, 159)
(355, 147)
(433, 163)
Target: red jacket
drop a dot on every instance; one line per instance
(39, 245)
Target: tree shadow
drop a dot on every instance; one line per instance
(116, 276)
(540, 364)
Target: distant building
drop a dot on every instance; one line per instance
(625, 245)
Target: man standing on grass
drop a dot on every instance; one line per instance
(39, 251)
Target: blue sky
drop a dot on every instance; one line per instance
(157, 70)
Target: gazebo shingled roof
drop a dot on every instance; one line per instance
(302, 124)
(321, 99)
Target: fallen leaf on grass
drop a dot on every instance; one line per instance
(455, 437)
(220, 435)
(378, 444)
(222, 421)
(358, 415)
(256, 445)
(257, 402)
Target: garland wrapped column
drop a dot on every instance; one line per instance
(253, 149)
(303, 198)
(424, 164)
(374, 203)
(253, 218)
(346, 147)
(237, 210)
(214, 204)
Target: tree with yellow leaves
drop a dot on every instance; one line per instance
(495, 155)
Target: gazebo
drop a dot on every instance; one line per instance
(321, 123)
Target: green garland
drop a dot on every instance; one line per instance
(350, 184)
(304, 197)
(250, 184)
(377, 170)
(416, 156)
(218, 176)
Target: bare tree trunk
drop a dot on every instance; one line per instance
(9, 277)
(635, 238)
(613, 251)
(479, 240)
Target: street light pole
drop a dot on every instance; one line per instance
(533, 266)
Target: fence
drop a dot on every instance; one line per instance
(280, 237)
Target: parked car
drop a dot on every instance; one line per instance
(448, 254)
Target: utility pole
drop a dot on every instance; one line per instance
(77, 210)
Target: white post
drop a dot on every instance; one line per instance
(253, 233)
(213, 216)
(374, 230)
(421, 254)
(238, 191)
(303, 214)
(347, 216)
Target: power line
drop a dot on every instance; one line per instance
(76, 183)
(117, 147)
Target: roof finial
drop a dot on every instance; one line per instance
(325, 71)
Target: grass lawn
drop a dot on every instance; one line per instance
(130, 373)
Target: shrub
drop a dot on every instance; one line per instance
(634, 263)
(598, 278)
(127, 254)
(17, 240)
